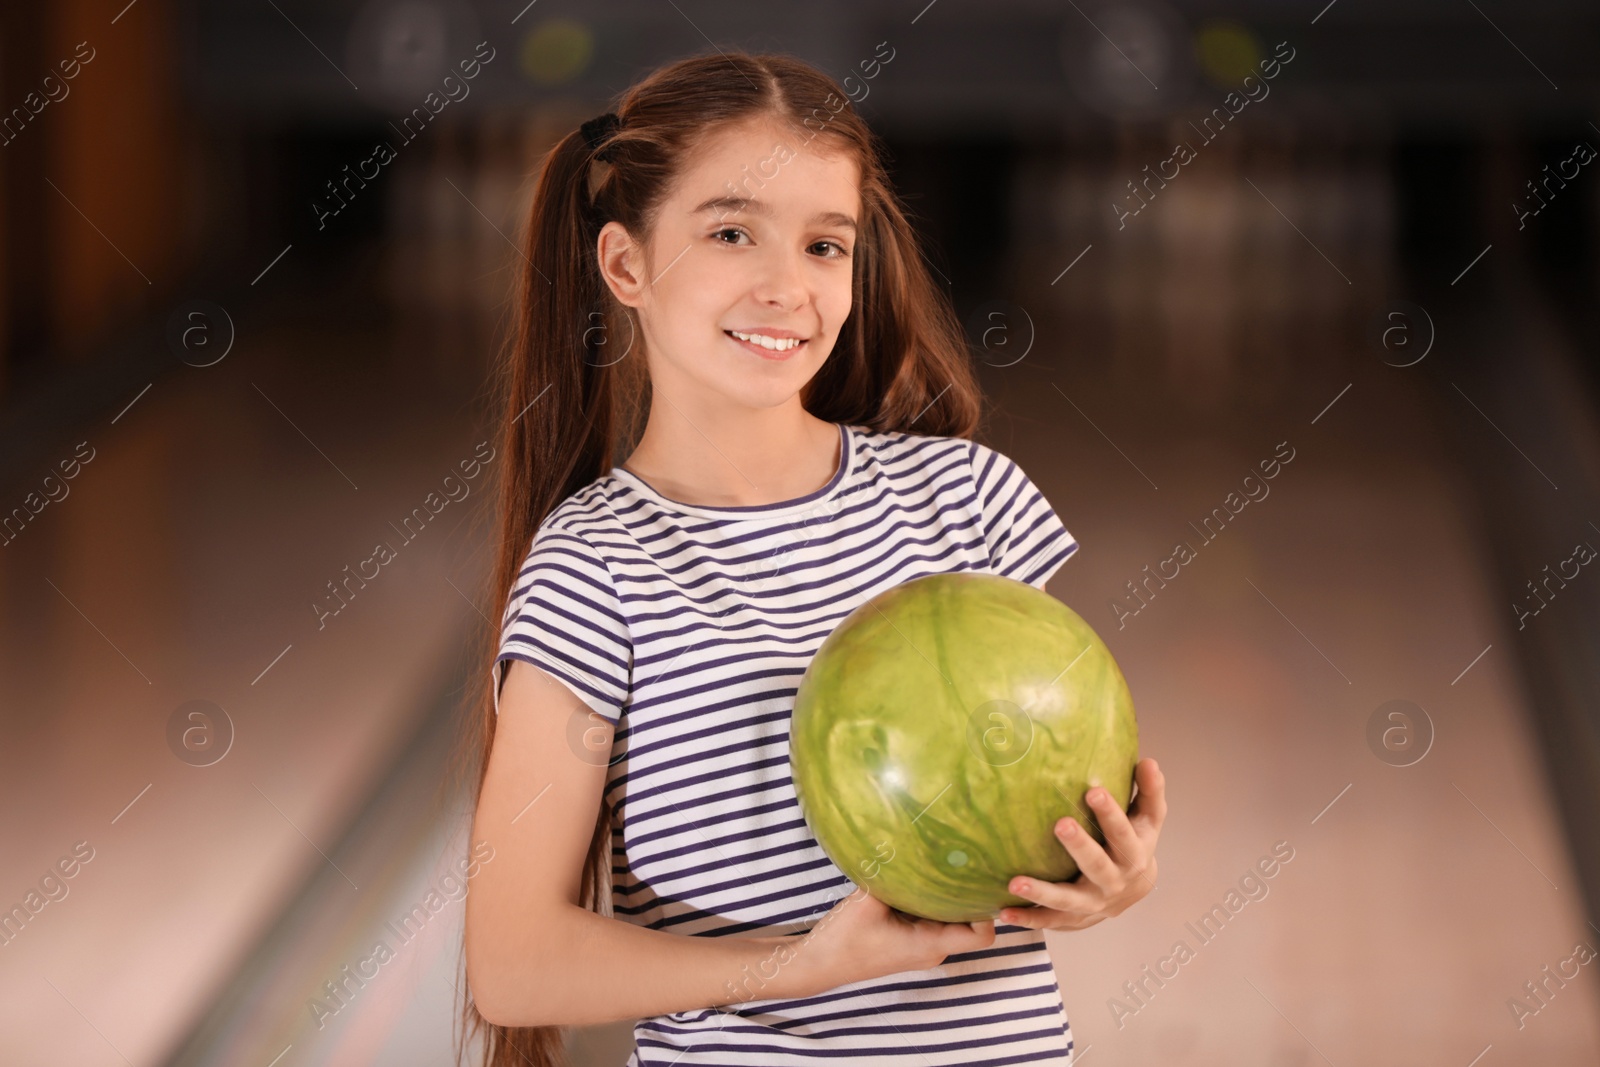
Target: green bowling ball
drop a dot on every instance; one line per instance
(942, 730)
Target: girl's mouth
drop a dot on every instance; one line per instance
(763, 351)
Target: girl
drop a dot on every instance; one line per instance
(724, 258)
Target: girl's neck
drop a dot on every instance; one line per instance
(712, 466)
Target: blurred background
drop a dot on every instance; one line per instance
(232, 361)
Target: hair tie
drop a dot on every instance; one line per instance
(598, 129)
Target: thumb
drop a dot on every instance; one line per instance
(973, 933)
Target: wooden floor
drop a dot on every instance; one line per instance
(1419, 898)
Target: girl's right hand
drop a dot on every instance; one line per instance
(861, 937)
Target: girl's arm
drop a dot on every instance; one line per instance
(537, 958)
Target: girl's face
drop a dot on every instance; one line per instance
(757, 239)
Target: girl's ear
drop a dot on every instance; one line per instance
(622, 264)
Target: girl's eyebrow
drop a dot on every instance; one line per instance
(729, 205)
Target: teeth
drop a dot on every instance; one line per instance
(777, 344)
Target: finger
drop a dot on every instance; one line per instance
(955, 936)
(1135, 860)
(1120, 836)
(1072, 898)
(1149, 809)
(1084, 816)
(1082, 898)
(1050, 918)
(1091, 857)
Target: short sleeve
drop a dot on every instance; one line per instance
(565, 617)
(1026, 538)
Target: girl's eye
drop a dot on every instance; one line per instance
(839, 251)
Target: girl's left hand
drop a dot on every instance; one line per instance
(1107, 885)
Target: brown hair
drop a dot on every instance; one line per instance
(569, 403)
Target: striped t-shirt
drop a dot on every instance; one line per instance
(689, 627)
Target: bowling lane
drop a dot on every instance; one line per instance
(1256, 673)
(1418, 899)
(192, 561)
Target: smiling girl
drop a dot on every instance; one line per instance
(724, 260)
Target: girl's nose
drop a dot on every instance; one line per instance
(782, 282)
